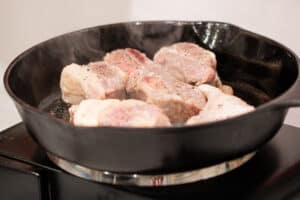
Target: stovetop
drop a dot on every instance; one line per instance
(27, 173)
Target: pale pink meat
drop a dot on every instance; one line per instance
(196, 64)
(219, 106)
(113, 112)
(171, 89)
(178, 100)
(128, 60)
(93, 81)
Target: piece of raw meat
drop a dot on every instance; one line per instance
(96, 80)
(113, 112)
(197, 65)
(194, 63)
(178, 100)
(128, 60)
(219, 106)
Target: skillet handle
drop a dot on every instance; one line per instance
(291, 98)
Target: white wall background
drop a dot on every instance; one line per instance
(25, 23)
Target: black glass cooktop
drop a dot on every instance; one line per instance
(27, 173)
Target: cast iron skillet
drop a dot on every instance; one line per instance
(261, 71)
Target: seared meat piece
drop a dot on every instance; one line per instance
(93, 81)
(219, 106)
(113, 112)
(178, 100)
(128, 60)
(196, 64)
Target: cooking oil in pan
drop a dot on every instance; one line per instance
(55, 106)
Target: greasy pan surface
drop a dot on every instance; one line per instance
(261, 71)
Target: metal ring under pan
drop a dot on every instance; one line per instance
(150, 180)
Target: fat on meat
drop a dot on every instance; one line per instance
(219, 106)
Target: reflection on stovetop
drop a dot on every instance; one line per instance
(27, 173)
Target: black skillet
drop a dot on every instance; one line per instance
(261, 71)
